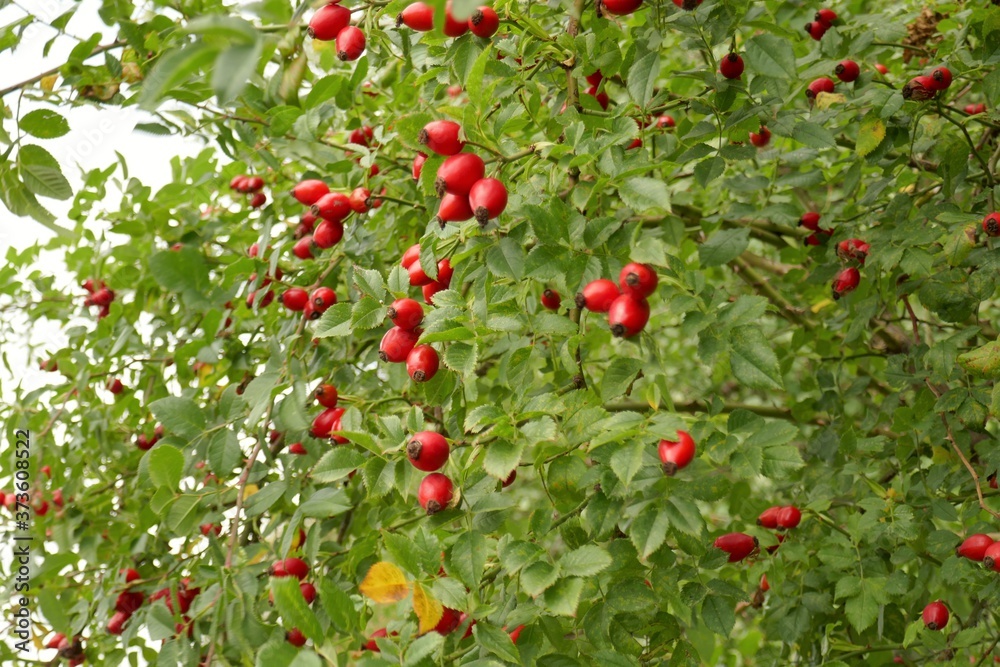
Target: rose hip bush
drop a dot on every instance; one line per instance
(632, 333)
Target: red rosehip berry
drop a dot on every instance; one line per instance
(450, 620)
(303, 247)
(418, 165)
(117, 623)
(130, 575)
(941, 76)
(332, 206)
(411, 255)
(322, 424)
(769, 518)
(846, 281)
(821, 85)
(115, 386)
(359, 200)
(810, 220)
(452, 26)
(484, 22)
(328, 21)
(459, 173)
(295, 638)
(816, 30)
(309, 191)
(454, 208)
(881, 69)
(974, 547)
(627, 316)
(435, 493)
(919, 88)
(298, 449)
(417, 16)
(292, 567)
(427, 451)
(510, 479)
(637, 280)
(370, 645)
(254, 183)
(621, 7)
(991, 557)
(737, 545)
(789, 517)
(515, 634)
(322, 298)
(328, 234)
(853, 250)
(422, 363)
(847, 71)
(326, 395)
(550, 299)
(601, 97)
(676, 454)
(396, 344)
(308, 592)
(598, 295)
(935, 615)
(350, 43)
(731, 66)
(761, 138)
(129, 601)
(294, 299)
(258, 200)
(665, 122)
(406, 313)
(207, 528)
(991, 224)
(430, 289)
(442, 137)
(488, 199)
(826, 17)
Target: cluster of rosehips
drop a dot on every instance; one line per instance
(329, 207)
(741, 545)
(982, 549)
(422, 361)
(332, 22)
(128, 603)
(185, 596)
(325, 422)
(428, 451)
(419, 278)
(676, 454)
(625, 303)
(595, 82)
(991, 224)
(144, 443)
(822, 22)
(72, 651)
(419, 16)
(810, 220)
(848, 278)
(39, 505)
(250, 185)
(311, 305)
(461, 183)
(268, 297)
(625, 7)
(927, 86)
(779, 518)
(298, 568)
(98, 295)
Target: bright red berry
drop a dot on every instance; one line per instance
(308, 592)
(441, 136)
(991, 557)
(882, 69)
(516, 633)
(737, 545)
(328, 21)
(973, 109)
(298, 449)
(974, 547)
(258, 200)
(370, 645)
(117, 623)
(322, 424)
(665, 122)
(731, 66)
(991, 224)
(418, 165)
(454, 208)
(427, 451)
(294, 299)
(359, 200)
(254, 183)
(846, 281)
(789, 517)
(295, 638)
(826, 17)
(621, 7)
(816, 30)
(361, 136)
(396, 344)
(769, 518)
(459, 173)
(130, 575)
(847, 71)
(303, 247)
(450, 620)
(941, 76)
(422, 363)
(322, 298)
(810, 220)
(676, 454)
(308, 192)
(601, 97)
(430, 289)
(551, 300)
(821, 85)
(637, 280)
(328, 234)
(129, 601)
(207, 528)
(435, 493)
(332, 206)
(761, 138)
(920, 88)
(598, 295)
(484, 22)
(326, 395)
(406, 313)
(411, 255)
(350, 43)
(853, 250)
(294, 567)
(935, 615)
(115, 386)
(628, 316)
(488, 199)
(417, 16)
(452, 26)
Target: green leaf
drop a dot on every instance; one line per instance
(172, 69)
(367, 314)
(586, 561)
(506, 259)
(228, 28)
(336, 321)
(423, 648)
(862, 610)
(724, 246)
(771, 56)
(233, 69)
(261, 501)
(502, 457)
(41, 173)
(183, 272)
(563, 597)
(496, 641)
(753, 361)
(166, 464)
(337, 464)
(370, 282)
(813, 135)
(627, 460)
(641, 194)
(648, 531)
(718, 614)
(44, 124)
(181, 517)
(258, 394)
(224, 453)
(179, 416)
(295, 613)
(642, 78)
(538, 576)
(337, 604)
(467, 558)
(618, 377)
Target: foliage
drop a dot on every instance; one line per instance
(873, 413)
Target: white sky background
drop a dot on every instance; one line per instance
(95, 134)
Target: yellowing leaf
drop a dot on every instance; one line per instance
(249, 490)
(821, 305)
(385, 583)
(429, 610)
(49, 82)
(261, 555)
(826, 100)
(870, 135)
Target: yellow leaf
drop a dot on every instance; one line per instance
(249, 490)
(49, 82)
(870, 135)
(385, 583)
(825, 100)
(429, 610)
(821, 305)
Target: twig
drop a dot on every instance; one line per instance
(55, 70)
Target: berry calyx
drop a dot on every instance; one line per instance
(598, 295)
(328, 21)
(941, 76)
(484, 22)
(991, 224)
(422, 363)
(731, 66)
(350, 43)
(789, 517)
(627, 316)
(435, 493)
(441, 136)
(621, 7)
(326, 395)
(935, 615)
(676, 454)
(550, 299)
(737, 545)
(308, 192)
(846, 281)
(488, 199)
(761, 138)
(459, 173)
(637, 280)
(847, 71)
(974, 547)
(769, 518)
(294, 299)
(396, 344)
(406, 313)
(417, 16)
(427, 451)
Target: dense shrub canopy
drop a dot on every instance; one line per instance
(823, 326)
